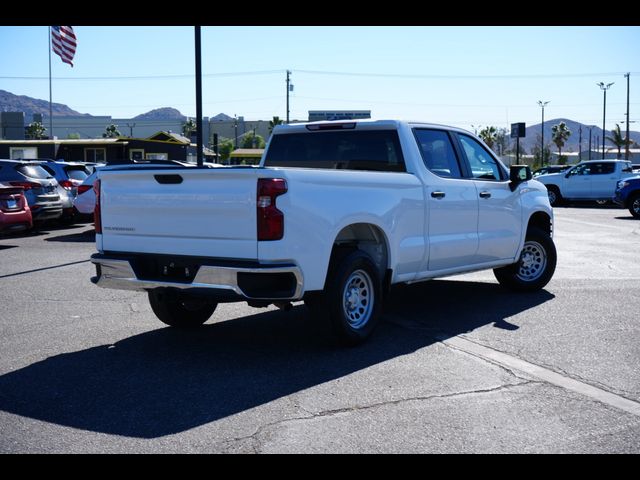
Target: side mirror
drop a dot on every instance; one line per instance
(518, 174)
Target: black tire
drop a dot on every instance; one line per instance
(180, 310)
(555, 197)
(634, 205)
(535, 267)
(353, 297)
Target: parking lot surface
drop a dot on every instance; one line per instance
(459, 365)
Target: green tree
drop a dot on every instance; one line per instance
(273, 123)
(189, 127)
(35, 130)
(111, 132)
(489, 136)
(75, 136)
(249, 140)
(617, 139)
(225, 147)
(560, 133)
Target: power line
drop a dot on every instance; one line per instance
(449, 77)
(146, 77)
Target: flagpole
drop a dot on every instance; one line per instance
(50, 104)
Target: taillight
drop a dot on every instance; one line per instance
(96, 210)
(67, 184)
(84, 188)
(26, 185)
(270, 219)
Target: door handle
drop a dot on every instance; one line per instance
(438, 194)
(485, 194)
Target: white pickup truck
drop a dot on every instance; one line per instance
(335, 213)
(588, 180)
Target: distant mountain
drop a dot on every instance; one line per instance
(533, 135)
(21, 103)
(165, 113)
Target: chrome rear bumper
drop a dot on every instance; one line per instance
(119, 274)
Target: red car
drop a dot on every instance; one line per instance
(15, 214)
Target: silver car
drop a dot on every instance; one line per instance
(40, 188)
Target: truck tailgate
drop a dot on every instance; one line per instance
(180, 211)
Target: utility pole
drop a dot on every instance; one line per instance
(580, 144)
(542, 104)
(289, 88)
(590, 146)
(199, 146)
(626, 149)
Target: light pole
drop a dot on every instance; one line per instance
(235, 126)
(542, 104)
(590, 146)
(604, 88)
(626, 149)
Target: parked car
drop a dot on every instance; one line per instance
(550, 169)
(85, 201)
(69, 176)
(15, 214)
(40, 188)
(588, 180)
(335, 214)
(628, 195)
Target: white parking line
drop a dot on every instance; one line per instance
(544, 374)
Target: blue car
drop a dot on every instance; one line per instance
(628, 195)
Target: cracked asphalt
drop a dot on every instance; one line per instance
(459, 365)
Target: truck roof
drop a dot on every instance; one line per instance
(361, 124)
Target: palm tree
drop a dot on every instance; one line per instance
(189, 127)
(273, 123)
(488, 136)
(560, 133)
(111, 132)
(617, 139)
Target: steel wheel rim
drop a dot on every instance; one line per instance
(636, 206)
(533, 261)
(552, 196)
(357, 299)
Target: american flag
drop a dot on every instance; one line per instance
(64, 43)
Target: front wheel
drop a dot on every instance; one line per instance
(535, 267)
(555, 197)
(634, 205)
(180, 310)
(353, 297)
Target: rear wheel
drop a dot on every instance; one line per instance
(353, 297)
(180, 310)
(535, 267)
(634, 205)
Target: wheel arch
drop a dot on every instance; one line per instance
(369, 238)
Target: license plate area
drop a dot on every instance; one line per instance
(165, 269)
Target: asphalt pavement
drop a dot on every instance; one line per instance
(458, 365)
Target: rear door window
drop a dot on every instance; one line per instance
(376, 150)
(437, 152)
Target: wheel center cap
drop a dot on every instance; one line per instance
(353, 298)
(527, 260)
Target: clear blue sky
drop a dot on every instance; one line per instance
(460, 76)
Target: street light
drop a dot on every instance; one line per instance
(604, 88)
(542, 104)
(235, 126)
